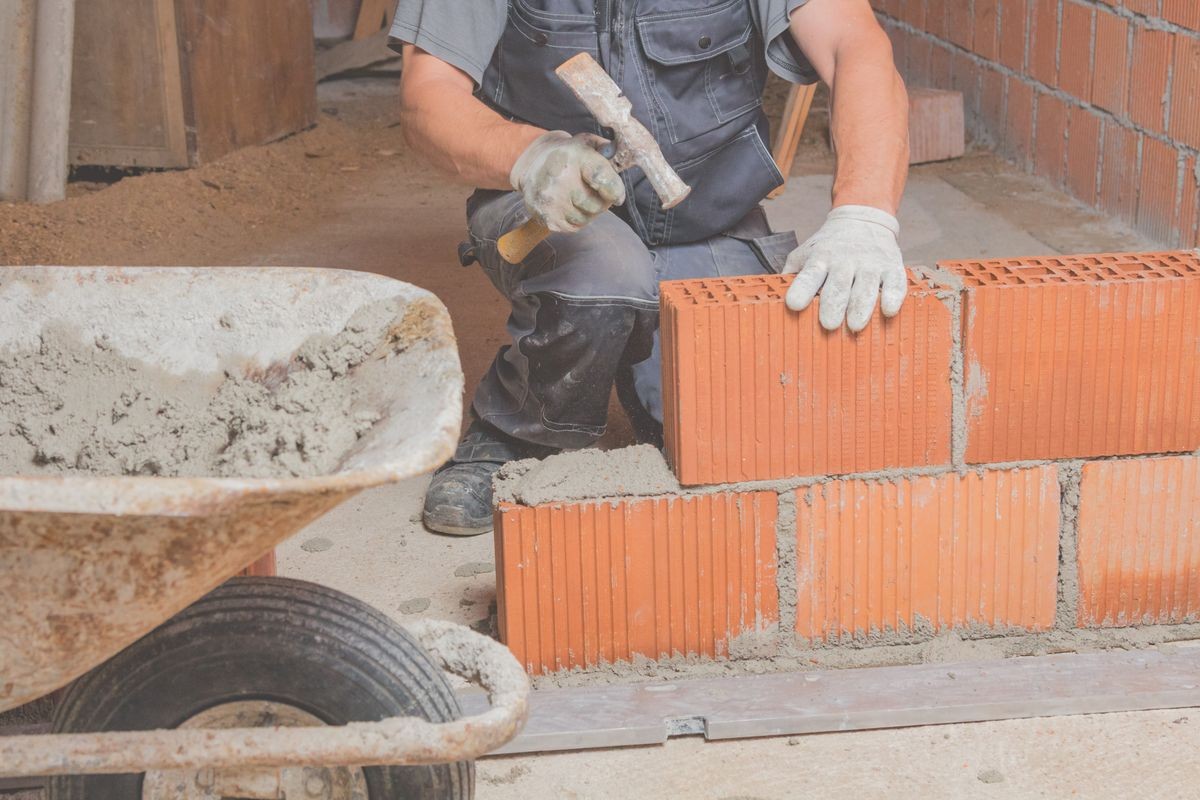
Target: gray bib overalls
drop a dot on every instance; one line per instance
(585, 305)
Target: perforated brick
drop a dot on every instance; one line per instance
(753, 390)
(1079, 356)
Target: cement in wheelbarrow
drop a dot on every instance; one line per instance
(89, 563)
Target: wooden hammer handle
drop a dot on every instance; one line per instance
(516, 245)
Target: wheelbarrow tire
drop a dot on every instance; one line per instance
(275, 640)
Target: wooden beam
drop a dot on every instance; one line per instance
(374, 16)
(791, 128)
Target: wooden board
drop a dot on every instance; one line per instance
(832, 700)
(791, 128)
(374, 16)
(248, 72)
(126, 101)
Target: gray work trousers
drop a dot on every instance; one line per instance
(585, 318)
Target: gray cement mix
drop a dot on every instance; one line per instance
(586, 475)
(1070, 474)
(75, 406)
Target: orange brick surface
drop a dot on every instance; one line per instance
(1148, 79)
(948, 551)
(1139, 542)
(1157, 188)
(936, 125)
(1075, 54)
(1111, 79)
(580, 584)
(1080, 356)
(1185, 90)
(752, 390)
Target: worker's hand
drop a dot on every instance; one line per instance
(853, 255)
(566, 181)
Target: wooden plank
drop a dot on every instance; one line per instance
(374, 16)
(127, 105)
(787, 141)
(786, 704)
(248, 73)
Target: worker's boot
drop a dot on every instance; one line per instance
(459, 498)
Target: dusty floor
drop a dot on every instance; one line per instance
(347, 195)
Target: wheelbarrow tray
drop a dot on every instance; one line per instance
(90, 564)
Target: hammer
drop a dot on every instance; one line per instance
(634, 146)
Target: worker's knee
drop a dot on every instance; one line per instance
(604, 262)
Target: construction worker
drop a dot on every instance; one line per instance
(481, 101)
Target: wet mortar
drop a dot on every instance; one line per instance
(72, 405)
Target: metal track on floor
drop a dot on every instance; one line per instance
(855, 699)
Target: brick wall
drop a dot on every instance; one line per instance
(1013, 455)
(1100, 97)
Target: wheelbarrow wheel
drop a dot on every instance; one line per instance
(292, 650)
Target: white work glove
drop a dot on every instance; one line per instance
(855, 252)
(565, 180)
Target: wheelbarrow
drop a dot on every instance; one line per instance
(184, 683)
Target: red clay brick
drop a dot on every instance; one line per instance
(1083, 154)
(1139, 542)
(939, 67)
(1050, 154)
(754, 391)
(949, 551)
(1081, 356)
(913, 12)
(1149, 8)
(1043, 41)
(920, 55)
(936, 126)
(1018, 131)
(1185, 91)
(1148, 77)
(1157, 188)
(1185, 13)
(581, 584)
(1187, 226)
(986, 39)
(1014, 27)
(1119, 171)
(991, 102)
(899, 39)
(960, 27)
(1075, 55)
(964, 78)
(1110, 84)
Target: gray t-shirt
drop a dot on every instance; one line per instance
(464, 33)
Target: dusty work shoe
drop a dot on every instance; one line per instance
(459, 498)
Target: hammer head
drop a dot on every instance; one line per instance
(635, 145)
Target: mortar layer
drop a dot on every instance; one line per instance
(76, 406)
(586, 475)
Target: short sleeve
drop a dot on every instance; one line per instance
(463, 33)
(784, 56)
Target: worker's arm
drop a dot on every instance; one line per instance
(856, 252)
(564, 180)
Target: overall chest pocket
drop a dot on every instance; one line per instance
(701, 66)
(534, 43)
